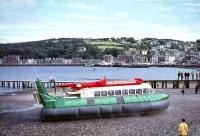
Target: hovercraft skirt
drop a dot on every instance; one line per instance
(105, 110)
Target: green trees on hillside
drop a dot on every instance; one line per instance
(53, 48)
(113, 51)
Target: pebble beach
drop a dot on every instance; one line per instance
(20, 115)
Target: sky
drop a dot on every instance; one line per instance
(30, 20)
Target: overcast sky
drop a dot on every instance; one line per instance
(29, 20)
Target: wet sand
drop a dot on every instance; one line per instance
(19, 115)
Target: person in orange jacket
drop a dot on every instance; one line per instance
(183, 128)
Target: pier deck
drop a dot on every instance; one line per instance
(159, 84)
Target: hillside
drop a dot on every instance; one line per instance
(63, 47)
(93, 48)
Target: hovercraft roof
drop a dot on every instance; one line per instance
(101, 83)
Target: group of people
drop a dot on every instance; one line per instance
(187, 75)
(197, 89)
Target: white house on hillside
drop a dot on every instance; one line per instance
(169, 59)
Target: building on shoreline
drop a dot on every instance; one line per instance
(11, 59)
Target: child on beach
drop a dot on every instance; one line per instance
(183, 128)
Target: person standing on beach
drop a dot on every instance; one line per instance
(196, 75)
(179, 74)
(183, 90)
(192, 74)
(183, 128)
(196, 88)
(185, 75)
(188, 75)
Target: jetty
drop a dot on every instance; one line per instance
(157, 84)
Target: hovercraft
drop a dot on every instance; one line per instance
(101, 98)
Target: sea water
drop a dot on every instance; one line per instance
(81, 73)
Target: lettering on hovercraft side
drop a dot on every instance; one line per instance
(121, 82)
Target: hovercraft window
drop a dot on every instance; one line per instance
(125, 91)
(146, 90)
(110, 92)
(96, 93)
(104, 93)
(131, 91)
(151, 90)
(138, 91)
(118, 92)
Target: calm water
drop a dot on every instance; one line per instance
(74, 73)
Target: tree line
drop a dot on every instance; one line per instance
(56, 48)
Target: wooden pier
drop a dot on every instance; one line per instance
(154, 83)
(17, 84)
(27, 84)
(173, 83)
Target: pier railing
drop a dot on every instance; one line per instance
(154, 83)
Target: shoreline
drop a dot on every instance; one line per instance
(122, 66)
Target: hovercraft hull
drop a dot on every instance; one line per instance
(105, 110)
